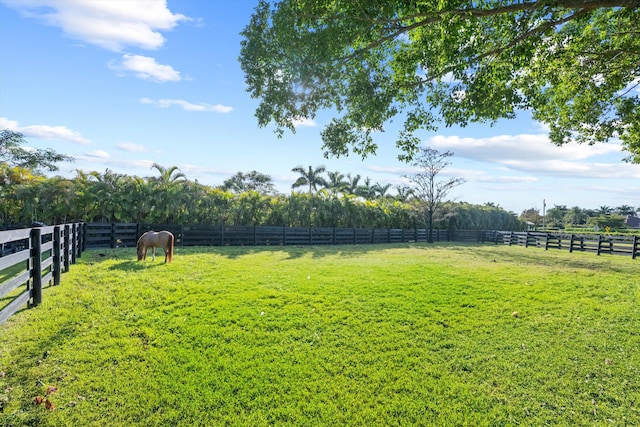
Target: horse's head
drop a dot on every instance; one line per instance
(140, 250)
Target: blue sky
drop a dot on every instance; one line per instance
(122, 84)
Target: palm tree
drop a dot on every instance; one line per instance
(575, 216)
(311, 177)
(167, 198)
(403, 193)
(381, 190)
(168, 175)
(368, 190)
(625, 210)
(337, 182)
(605, 210)
(353, 184)
(555, 216)
(105, 192)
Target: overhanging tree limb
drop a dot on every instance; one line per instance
(573, 64)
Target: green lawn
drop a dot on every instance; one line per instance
(386, 335)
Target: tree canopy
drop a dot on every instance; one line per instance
(14, 155)
(575, 65)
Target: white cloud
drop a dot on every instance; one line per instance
(8, 124)
(304, 122)
(112, 25)
(127, 166)
(98, 154)
(131, 147)
(524, 146)
(187, 106)
(534, 154)
(44, 131)
(146, 68)
(567, 169)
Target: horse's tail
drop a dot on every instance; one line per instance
(170, 248)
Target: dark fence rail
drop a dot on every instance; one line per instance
(596, 243)
(105, 235)
(101, 235)
(32, 257)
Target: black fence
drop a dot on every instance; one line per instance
(33, 257)
(105, 235)
(596, 243)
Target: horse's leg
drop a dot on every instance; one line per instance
(166, 254)
(144, 257)
(153, 253)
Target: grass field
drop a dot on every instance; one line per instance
(386, 335)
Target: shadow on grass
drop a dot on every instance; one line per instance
(127, 258)
(294, 251)
(551, 257)
(134, 265)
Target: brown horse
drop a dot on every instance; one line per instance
(154, 239)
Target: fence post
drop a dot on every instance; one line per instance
(571, 243)
(74, 242)
(79, 227)
(66, 247)
(633, 249)
(112, 238)
(36, 268)
(83, 247)
(57, 256)
(599, 244)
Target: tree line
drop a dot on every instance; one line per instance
(324, 198)
(561, 216)
(328, 200)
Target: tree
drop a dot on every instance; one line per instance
(573, 64)
(382, 190)
(575, 216)
(428, 189)
(337, 182)
(14, 155)
(251, 181)
(353, 184)
(168, 175)
(555, 216)
(367, 190)
(611, 220)
(531, 215)
(625, 210)
(604, 210)
(311, 177)
(403, 193)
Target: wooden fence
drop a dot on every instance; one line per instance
(596, 243)
(32, 257)
(105, 235)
